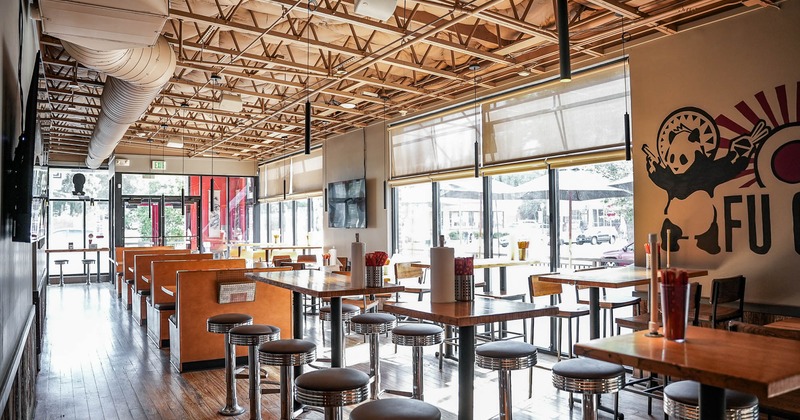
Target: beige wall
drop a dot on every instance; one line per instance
(343, 160)
(189, 166)
(721, 69)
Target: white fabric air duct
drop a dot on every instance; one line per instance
(136, 76)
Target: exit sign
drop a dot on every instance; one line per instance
(158, 165)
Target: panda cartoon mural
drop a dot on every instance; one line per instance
(692, 160)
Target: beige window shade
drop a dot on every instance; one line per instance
(439, 144)
(556, 119)
(262, 181)
(307, 175)
(276, 172)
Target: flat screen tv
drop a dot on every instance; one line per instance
(347, 204)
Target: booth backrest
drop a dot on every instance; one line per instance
(198, 299)
(141, 263)
(128, 255)
(118, 254)
(163, 273)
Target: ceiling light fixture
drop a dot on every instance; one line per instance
(562, 24)
(524, 73)
(370, 93)
(348, 105)
(308, 81)
(215, 79)
(475, 67)
(174, 144)
(627, 117)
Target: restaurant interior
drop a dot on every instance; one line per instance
(408, 209)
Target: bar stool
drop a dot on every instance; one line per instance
(332, 389)
(417, 336)
(348, 311)
(589, 377)
(396, 409)
(505, 356)
(373, 324)
(253, 336)
(287, 354)
(60, 264)
(87, 265)
(222, 324)
(682, 401)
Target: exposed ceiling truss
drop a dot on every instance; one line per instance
(276, 54)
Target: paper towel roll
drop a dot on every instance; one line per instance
(358, 275)
(443, 279)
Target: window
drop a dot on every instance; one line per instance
(413, 218)
(461, 215)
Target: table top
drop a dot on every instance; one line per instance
(318, 283)
(280, 246)
(483, 263)
(77, 250)
(792, 324)
(611, 277)
(170, 290)
(760, 365)
(480, 311)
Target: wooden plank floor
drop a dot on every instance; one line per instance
(98, 364)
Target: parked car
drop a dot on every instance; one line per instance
(598, 234)
(622, 256)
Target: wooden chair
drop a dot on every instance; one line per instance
(278, 259)
(294, 265)
(608, 304)
(641, 322)
(413, 277)
(307, 258)
(343, 263)
(727, 301)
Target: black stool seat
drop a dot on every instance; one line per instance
(348, 311)
(588, 376)
(417, 335)
(253, 335)
(223, 323)
(334, 387)
(88, 261)
(290, 352)
(682, 401)
(506, 355)
(373, 323)
(396, 409)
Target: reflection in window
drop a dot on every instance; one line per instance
(62, 184)
(519, 213)
(287, 228)
(303, 234)
(414, 218)
(461, 216)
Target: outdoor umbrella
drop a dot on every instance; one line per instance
(573, 185)
(474, 190)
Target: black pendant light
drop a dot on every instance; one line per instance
(562, 24)
(475, 67)
(308, 80)
(627, 117)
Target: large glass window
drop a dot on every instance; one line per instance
(274, 220)
(414, 213)
(519, 215)
(315, 226)
(461, 215)
(301, 222)
(287, 223)
(78, 217)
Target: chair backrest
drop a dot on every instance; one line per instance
(344, 273)
(342, 262)
(294, 265)
(404, 270)
(538, 288)
(694, 302)
(307, 258)
(277, 259)
(727, 290)
(760, 330)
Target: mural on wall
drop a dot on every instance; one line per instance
(759, 159)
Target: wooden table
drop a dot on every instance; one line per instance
(320, 284)
(170, 290)
(502, 264)
(98, 250)
(718, 359)
(272, 247)
(792, 324)
(613, 278)
(465, 315)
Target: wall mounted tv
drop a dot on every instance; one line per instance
(347, 204)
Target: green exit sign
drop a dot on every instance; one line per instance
(158, 165)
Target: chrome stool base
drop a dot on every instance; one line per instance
(505, 356)
(681, 401)
(590, 378)
(222, 324)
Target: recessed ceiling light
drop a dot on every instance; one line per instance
(175, 145)
(369, 93)
(141, 134)
(403, 112)
(73, 86)
(348, 105)
(72, 107)
(524, 73)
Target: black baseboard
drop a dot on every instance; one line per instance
(210, 364)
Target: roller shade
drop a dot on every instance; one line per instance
(307, 174)
(556, 119)
(439, 144)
